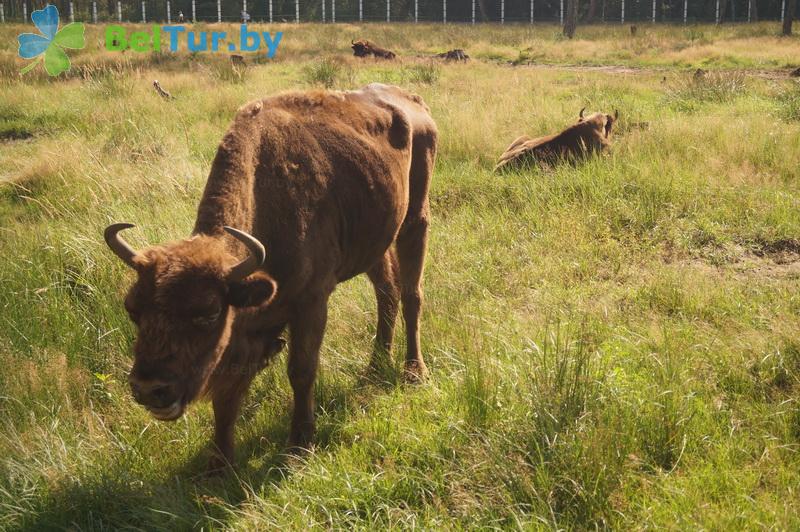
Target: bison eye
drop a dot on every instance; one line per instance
(207, 319)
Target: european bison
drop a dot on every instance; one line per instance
(454, 55)
(590, 134)
(331, 185)
(363, 48)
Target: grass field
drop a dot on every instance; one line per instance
(611, 345)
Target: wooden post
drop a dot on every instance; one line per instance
(502, 11)
(622, 16)
(685, 11)
(194, 11)
(444, 11)
(654, 11)
(144, 14)
(2, 14)
(416, 11)
(297, 11)
(270, 11)
(323, 10)
(473, 11)
(388, 10)
(783, 9)
(333, 10)
(561, 13)
(531, 11)
(361, 10)
(219, 10)
(169, 13)
(716, 17)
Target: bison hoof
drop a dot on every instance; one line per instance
(218, 465)
(415, 372)
(300, 438)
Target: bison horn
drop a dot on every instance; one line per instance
(120, 248)
(253, 261)
(580, 115)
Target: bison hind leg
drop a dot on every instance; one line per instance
(385, 280)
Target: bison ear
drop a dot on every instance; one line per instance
(254, 290)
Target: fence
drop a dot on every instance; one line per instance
(442, 11)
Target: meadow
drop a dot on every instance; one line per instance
(611, 345)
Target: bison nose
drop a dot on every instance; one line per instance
(153, 393)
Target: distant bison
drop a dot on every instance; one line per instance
(454, 55)
(333, 184)
(363, 48)
(590, 134)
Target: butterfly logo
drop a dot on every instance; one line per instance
(48, 48)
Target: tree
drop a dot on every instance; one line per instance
(753, 11)
(571, 19)
(592, 13)
(788, 16)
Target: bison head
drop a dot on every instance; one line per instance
(183, 304)
(599, 120)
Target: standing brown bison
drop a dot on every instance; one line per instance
(307, 190)
(588, 135)
(363, 48)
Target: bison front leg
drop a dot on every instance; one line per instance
(226, 401)
(307, 329)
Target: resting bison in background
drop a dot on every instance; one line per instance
(454, 55)
(363, 48)
(331, 185)
(590, 134)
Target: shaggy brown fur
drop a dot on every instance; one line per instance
(334, 184)
(363, 48)
(590, 134)
(454, 55)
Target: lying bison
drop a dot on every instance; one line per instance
(590, 134)
(363, 48)
(454, 55)
(306, 191)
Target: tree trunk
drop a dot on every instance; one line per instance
(592, 13)
(723, 7)
(753, 11)
(482, 9)
(571, 18)
(788, 17)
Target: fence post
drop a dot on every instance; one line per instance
(323, 10)
(749, 7)
(531, 11)
(333, 10)
(94, 12)
(25, 11)
(169, 13)
(622, 16)
(473, 11)
(783, 9)
(685, 11)
(654, 11)
(388, 10)
(502, 11)
(244, 11)
(194, 11)
(416, 11)
(71, 13)
(219, 10)
(144, 14)
(119, 11)
(444, 11)
(716, 17)
(561, 13)
(2, 14)
(297, 11)
(270, 11)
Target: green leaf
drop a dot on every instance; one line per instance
(55, 60)
(71, 36)
(30, 66)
